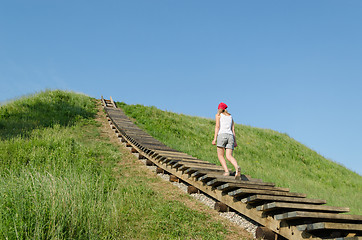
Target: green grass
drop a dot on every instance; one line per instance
(59, 179)
(261, 153)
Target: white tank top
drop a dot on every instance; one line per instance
(225, 124)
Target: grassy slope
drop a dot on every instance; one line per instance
(261, 153)
(60, 180)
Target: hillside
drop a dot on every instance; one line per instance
(261, 153)
(62, 178)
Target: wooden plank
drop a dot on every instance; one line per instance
(318, 215)
(174, 153)
(182, 158)
(343, 238)
(233, 186)
(245, 191)
(203, 172)
(113, 103)
(171, 161)
(193, 163)
(229, 179)
(309, 207)
(171, 151)
(103, 101)
(334, 226)
(178, 156)
(261, 198)
(185, 165)
(195, 169)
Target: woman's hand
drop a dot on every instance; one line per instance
(235, 144)
(214, 142)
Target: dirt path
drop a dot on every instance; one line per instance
(166, 189)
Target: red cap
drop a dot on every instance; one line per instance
(222, 106)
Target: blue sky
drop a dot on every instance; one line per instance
(291, 66)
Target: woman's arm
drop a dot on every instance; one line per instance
(233, 129)
(217, 127)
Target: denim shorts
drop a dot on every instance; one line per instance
(225, 140)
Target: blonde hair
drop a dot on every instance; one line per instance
(219, 111)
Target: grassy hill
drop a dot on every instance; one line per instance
(261, 153)
(60, 179)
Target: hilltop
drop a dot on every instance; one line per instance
(262, 153)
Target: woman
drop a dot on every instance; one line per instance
(225, 137)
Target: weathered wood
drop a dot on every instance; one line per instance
(190, 161)
(103, 102)
(224, 179)
(113, 103)
(191, 189)
(232, 186)
(133, 150)
(262, 198)
(345, 238)
(318, 215)
(221, 207)
(149, 162)
(173, 178)
(140, 156)
(246, 191)
(265, 233)
(229, 179)
(183, 166)
(173, 152)
(334, 226)
(172, 161)
(202, 172)
(195, 169)
(159, 170)
(281, 205)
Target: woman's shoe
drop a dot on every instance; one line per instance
(226, 174)
(238, 173)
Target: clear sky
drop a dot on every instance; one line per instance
(291, 66)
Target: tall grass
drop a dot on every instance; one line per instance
(261, 153)
(59, 179)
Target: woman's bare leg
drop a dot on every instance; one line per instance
(220, 155)
(229, 156)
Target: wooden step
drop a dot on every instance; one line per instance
(318, 215)
(172, 161)
(203, 172)
(242, 192)
(184, 165)
(342, 238)
(262, 198)
(232, 186)
(214, 179)
(195, 169)
(309, 207)
(334, 226)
